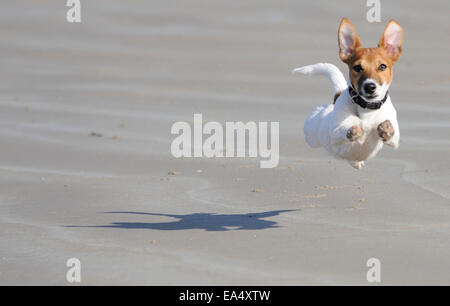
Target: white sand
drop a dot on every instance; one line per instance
(131, 69)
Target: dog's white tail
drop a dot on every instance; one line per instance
(331, 71)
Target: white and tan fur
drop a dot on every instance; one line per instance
(345, 129)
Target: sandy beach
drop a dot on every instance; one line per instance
(86, 169)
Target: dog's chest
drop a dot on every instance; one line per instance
(369, 143)
(369, 119)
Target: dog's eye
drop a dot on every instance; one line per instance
(357, 68)
(382, 67)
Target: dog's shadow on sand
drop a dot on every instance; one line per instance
(205, 221)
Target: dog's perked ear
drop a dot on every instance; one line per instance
(391, 41)
(348, 40)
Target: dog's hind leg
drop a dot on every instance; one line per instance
(356, 164)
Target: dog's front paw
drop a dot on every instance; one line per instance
(354, 133)
(386, 130)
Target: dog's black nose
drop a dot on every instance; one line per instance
(370, 88)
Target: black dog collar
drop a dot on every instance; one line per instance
(363, 103)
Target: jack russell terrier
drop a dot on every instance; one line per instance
(362, 117)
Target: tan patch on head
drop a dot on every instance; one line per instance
(370, 60)
(388, 51)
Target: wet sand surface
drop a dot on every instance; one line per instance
(86, 113)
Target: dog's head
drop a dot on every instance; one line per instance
(370, 68)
